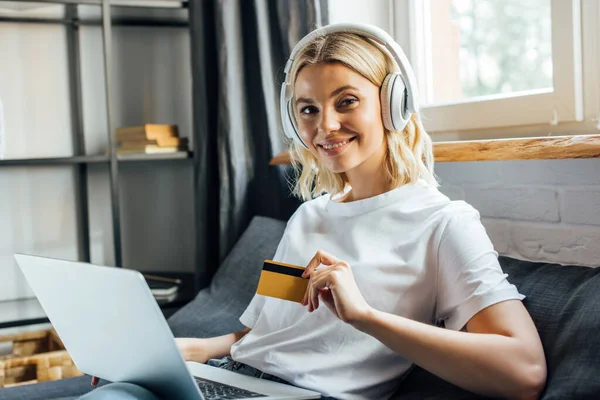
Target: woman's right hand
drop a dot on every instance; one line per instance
(193, 349)
(202, 350)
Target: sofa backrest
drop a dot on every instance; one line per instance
(216, 309)
(564, 302)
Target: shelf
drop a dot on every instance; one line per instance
(18, 162)
(21, 312)
(130, 22)
(99, 159)
(111, 13)
(180, 155)
(149, 3)
(120, 3)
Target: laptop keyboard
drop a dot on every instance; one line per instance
(219, 391)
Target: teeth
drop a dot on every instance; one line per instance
(334, 146)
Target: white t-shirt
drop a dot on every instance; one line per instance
(413, 253)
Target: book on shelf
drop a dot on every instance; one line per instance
(147, 132)
(150, 149)
(165, 299)
(163, 289)
(150, 139)
(160, 142)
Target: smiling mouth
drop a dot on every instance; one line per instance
(335, 146)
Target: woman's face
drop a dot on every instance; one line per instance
(339, 116)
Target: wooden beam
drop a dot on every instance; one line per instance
(539, 148)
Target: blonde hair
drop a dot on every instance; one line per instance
(410, 154)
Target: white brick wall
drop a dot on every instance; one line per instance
(541, 210)
(521, 203)
(581, 206)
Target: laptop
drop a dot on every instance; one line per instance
(113, 328)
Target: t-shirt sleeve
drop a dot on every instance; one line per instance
(256, 305)
(249, 317)
(469, 275)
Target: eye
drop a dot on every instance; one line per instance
(308, 110)
(348, 101)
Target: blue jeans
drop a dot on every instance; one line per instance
(130, 391)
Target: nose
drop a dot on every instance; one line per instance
(330, 121)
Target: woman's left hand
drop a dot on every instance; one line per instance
(334, 283)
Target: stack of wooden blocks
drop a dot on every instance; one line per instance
(36, 357)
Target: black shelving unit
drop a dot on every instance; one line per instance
(80, 161)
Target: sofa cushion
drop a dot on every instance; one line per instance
(564, 302)
(216, 309)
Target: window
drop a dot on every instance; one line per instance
(485, 49)
(492, 63)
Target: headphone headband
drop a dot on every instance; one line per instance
(374, 33)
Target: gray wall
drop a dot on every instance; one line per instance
(544, 210)
(152, 83)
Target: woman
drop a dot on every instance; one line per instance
(399, 274)
(395, 257)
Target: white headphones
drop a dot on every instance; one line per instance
(399, 93)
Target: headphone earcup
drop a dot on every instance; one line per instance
(292, 126)
(393, 94)
(287, 118)
(384, 96)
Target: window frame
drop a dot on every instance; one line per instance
(541, 107)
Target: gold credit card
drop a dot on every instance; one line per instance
(283, 281)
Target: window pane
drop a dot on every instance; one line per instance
(486, 48)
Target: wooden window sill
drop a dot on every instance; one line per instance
(540, 148)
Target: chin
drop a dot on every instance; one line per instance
(337, 170)
(339, 167)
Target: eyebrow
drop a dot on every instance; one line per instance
(332, 94)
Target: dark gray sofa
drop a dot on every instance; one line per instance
(563, 301)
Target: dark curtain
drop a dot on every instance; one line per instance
(239, 48)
